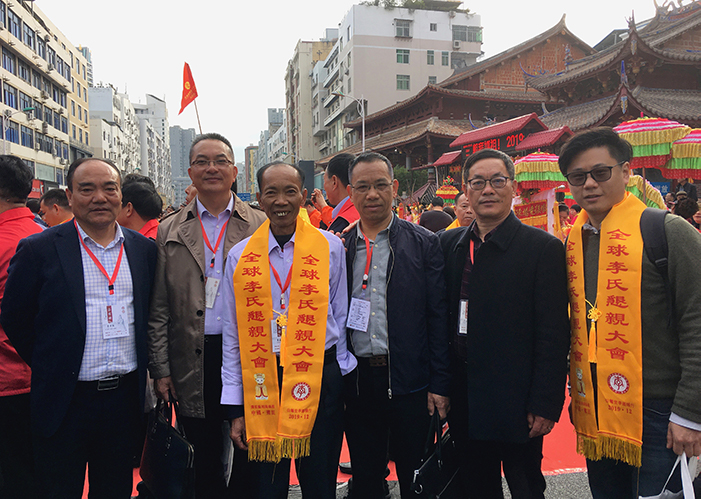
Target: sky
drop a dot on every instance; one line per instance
(238, 50)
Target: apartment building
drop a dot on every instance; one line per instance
(180, 142)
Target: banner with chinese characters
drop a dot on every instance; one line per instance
(537, 211)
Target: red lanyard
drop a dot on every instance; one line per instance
(472, 251)
(279, 282)
(368, 250)
(110, 280)
(206, 239)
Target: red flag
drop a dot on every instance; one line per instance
(189, 89)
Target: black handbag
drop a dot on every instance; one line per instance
(438, 475)
(167, 463)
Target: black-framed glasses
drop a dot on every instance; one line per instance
(599, 174)
(201, 163)
(365, 188)
(478, 184)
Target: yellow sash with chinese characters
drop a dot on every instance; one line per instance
(279, 421)
(614, 342)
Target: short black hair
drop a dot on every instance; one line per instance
(563, 208)
(338, 166)
(56, 196)
(620, 149)
(486, 154)
(33, 205)
(457, 196)
(211, 136)
(576, 208)
(144, 198)
(370, 157)
(259, 173)
(437, 201)
(135, 177)
(80, 161)
(686, 208)
(15, 179)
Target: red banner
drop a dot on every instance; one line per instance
(189, 89)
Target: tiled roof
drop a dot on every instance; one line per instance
(447, 158)
(543, 139)
(579, 116)
(496, 130)
(432, 126)
(680, 105)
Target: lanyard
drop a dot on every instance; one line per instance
(206, 239)
(110, 280)
(279, 282)
(368, 250)
(472, 251)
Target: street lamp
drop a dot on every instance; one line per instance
(361, 110)
(294, 158)
(6, 116)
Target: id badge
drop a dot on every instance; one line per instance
(210, 290)
(359, 315)
(114, 321)
(276, 333)
(462, 318)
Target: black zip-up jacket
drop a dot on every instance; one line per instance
(417, 309)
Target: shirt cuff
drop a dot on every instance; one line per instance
(684, 422)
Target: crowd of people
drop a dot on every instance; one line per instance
(277, 329)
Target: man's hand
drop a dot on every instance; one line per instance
(238, 433)
(318, 199)
(163, 386)
(539, 425)
(438, 402)
(682, 439)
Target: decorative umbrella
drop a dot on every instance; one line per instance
(447, 191)
(686, 157)
(651, 196)
(651, 139)
(538, 170)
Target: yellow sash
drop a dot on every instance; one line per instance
(279, 423)
(614, 342)
(454, 225)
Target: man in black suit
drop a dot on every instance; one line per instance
(76, 310)
(508, 320)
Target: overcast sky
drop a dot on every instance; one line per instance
(238, 50)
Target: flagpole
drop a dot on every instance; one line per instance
(198, 115)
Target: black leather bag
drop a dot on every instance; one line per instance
(438, 475)
(167, 463)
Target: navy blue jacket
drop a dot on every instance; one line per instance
(416, 309)
(43, 314)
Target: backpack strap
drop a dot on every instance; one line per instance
(655, 243)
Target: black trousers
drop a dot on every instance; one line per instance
(100, 430)
(16, 462)
(316, 472)
(374, 422)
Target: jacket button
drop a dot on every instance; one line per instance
(200, 313)
(198, 351)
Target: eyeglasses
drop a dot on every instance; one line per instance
(478, 184)
(201, 163)
(599, 174)
(365, 188)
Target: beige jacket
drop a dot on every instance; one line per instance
(176, 322)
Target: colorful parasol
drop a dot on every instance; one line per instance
(686, 157)
(651, 139)
(447, 191)
(652, 196)
(538, 170)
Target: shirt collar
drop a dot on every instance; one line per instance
(339, 207)
(201, 210)
(386, 229)
(118, 236)
(272, 242)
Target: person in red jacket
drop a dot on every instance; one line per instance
(336, 186)
(16, 222)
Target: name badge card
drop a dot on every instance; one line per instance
(210, 290)
(359, 315)
(462, 318)
(114, 322)
(276, 332)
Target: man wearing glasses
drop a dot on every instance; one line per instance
(636, 326)
(506, 285)
(185, 326)
(397, 330)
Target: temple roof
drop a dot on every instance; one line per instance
(544, 138)
(496, 130)
(447, 158)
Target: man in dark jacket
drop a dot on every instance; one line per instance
(508, 321)
(397, 330)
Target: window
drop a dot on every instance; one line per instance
(80, 113)
(430, 57)
(27, 136)
(36, 80)
(432, 80)
(28, 36)
(14, 24)
(402, 28)
(3, 13)
(73, 107)
(433, 27)
(9, 94)
(59, 66)
(349, 85)
(41, 47)
(57, 148)
(12, 132)
(402, 82)
(87, 142)
(349, 60)
(65, 148)
(24, 72)
(38, 110)
(84, 75)
(62, 95)
(51, 56)
(444, 58)
(402, 56)
(467, 33)
(24, 101)
(78, 90)
(64, 124)
(9, 62)
(48, 115)
(80, 134)
(56, 94)
(73, 131)
(57, 121)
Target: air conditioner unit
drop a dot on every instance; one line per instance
(45, 127)
(44, 94)
(49, 67)
(47, 38)
(5, 78)
(63, 161)
(37, 146)
(60, 110)
(456, 44)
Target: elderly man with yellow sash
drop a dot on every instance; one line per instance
(285, 342)
(635, 353)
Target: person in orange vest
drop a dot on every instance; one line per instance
(54, 207)
(336, 185)
(314, 215)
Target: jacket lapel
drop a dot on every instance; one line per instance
(190, 233)
(139, 274)
(237, 228)
(69, 254)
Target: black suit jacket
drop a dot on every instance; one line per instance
(43, 314)
(518, 327)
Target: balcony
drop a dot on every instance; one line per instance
(333, 74)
